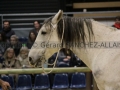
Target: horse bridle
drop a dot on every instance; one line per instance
(54, 26)
(43, 54)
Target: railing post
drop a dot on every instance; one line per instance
(88, 81)
(94, 85)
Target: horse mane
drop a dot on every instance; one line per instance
(73, 30)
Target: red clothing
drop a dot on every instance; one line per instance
(117, 25)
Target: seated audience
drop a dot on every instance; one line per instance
(7, 30)
(23, 57)
(117, 22)
(15, 44)
(31, 39)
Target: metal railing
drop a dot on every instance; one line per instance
(46, 14)
(40, 70)
(89, 84)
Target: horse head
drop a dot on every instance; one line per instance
(45, 43)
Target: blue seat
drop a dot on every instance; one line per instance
(60, 81)
(24, 82)
(23, 39)
(41, 82)
(78, 80)
(1, 59)
(10, 80)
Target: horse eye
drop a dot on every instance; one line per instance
(43, 32)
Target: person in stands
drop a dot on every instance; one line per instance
(37, 27)
(7, 30)
(10, 62)
(15, 44)
(31, 39)
(23, 57)
(117, 22)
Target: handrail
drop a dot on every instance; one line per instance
(26, 19)
(102, 14)
(32, 14)
(39, 70)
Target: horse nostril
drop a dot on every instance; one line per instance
(30, 59)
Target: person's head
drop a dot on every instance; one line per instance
(9, 53)
(24, 52)
(32, 36)
(6, 25)
(13, 39)
(117, 19)
(36, 24)
(2, 36)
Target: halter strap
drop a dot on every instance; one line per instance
(43, 56)
(54, 26)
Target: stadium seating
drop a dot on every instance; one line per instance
(23, 39)
(61, 81)
(24, 82)
(78, 80)
(41, 82)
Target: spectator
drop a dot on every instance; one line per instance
(117, 22)
(15, 44)
(7, 30)
(65, 58)
(23, 57)
(36, 27)
(10, 61)
(31, 40)
(2, 43)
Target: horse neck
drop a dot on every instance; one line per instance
(101, 34)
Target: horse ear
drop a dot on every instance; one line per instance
(57, 17)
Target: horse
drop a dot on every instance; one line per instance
(95, 43)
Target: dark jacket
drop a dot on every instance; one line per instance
(8, 33)
(74, 61)
(29, 44)
(2, 49)
(33, 30)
